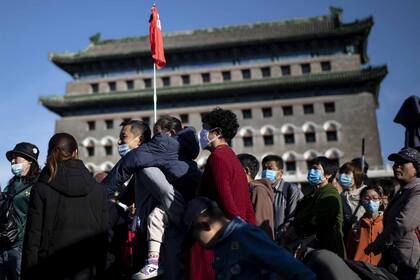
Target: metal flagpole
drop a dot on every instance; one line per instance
(154, 94)
(363, 158)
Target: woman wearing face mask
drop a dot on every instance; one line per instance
(65, 234)
(350, 178)
(223, 181)
(368, 228)
(399, 242)
(25, 172)
(320, 213)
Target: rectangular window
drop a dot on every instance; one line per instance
(329, 107)
(326, 66)
(285, 70)
(306, 68)
(267, 112)
(308, 109)
(247, 113)
(289, 138)
(246, 74)
(266, 72)
(109, 124)
(205, 77)
(226, 75)
(331, 136)
(248, 141)
(287, 110)
(166, 81)
(184, 118)
(147, 83)
(130, 85)
(108, 150)
(185, 79)
(310, 137)
(112, 86)
(95, 88)
(268, 140)
(91, 125)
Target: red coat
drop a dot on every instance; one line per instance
(225, 182)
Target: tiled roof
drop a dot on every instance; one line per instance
(314, 27)
(61, 104)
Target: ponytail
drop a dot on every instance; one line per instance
(52, 160)
(60, 147)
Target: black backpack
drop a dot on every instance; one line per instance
(9, 231)
(367, 271)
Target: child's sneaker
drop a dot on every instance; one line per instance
(148, 271)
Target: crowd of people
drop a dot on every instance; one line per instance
(158, 214)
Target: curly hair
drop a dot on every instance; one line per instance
(224, 119)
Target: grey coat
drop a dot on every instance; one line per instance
(401, 218)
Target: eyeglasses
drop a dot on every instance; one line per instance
(368, 198)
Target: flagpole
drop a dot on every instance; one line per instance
(154, 94)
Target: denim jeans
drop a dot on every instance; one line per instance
(10, 261)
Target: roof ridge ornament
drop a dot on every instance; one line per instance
(336, 13)
(95, 38)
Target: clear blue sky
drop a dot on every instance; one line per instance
(31, 29)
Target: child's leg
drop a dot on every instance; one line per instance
(156, 224)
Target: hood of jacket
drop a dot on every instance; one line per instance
(188, 143)
(161, 143)
(264, 185)
(72, 178)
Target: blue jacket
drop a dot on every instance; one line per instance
(246, 252)
(173, 155)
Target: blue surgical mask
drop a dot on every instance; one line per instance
(269, 174)
(372, 206)
(17, 169)
(345, 181)
(204, 138)
(123, 149)
(314, 176)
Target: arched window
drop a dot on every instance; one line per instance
(331, 131)
(309, 157)
(91, 168)
(108, 146)
(334, 155)
(309, 130)
(268, 136)
(290, 162)
(289, 135)
(108, 167)
(247, 138)
(90, 148)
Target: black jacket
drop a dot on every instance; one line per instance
(66, 227)
(172, 155)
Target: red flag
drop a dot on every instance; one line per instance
(156, 40)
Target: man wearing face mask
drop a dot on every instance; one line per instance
(133, 134)
(166, 176)
(25, 170)
(286, 195)
(321, 213)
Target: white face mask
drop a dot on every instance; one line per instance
(204, 138)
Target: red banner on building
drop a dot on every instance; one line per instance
(156, 40)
